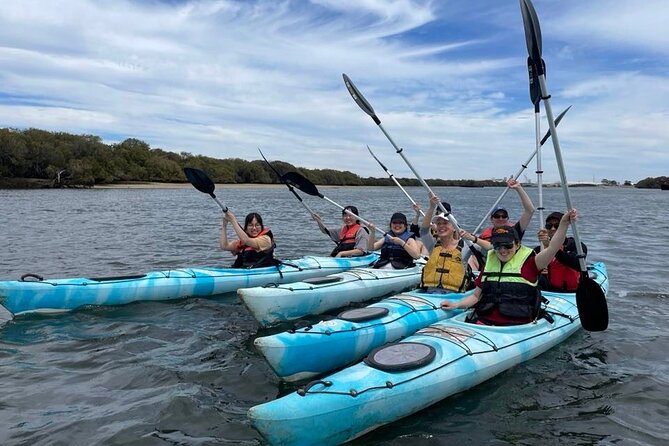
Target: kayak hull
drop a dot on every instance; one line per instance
(67, 294)
(360, 398)
(310, 351)
(272, 304)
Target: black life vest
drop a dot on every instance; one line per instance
(248, 257)
(504, 288)
(396, 255)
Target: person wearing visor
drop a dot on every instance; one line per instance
(446, 271)
(398, 247)
(564, 271)
(507, 291)
(352, 237)
(500, 216)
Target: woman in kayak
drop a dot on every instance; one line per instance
(564, 271)
(398, 247)
(506, 290)
(351, 239)
(500, 216)
(255, 246)
(446, 270)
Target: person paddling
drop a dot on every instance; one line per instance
(507, 290)
(398, 247)
(564, 271)
(500, 216)
(351, 239)
(255, 246)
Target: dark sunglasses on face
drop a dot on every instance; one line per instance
(552, 225)
(503, 245)
(500, 216)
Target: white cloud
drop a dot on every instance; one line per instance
(447, 80)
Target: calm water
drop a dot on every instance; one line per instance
(184, 373)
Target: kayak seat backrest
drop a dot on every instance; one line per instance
(322, 280)
(114, 278)
(363, 314)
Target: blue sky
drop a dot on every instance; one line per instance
(448, 80)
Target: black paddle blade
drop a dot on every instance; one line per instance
(591, 303)
(532, 35)
(535, 89)
(301, 183)
(200, 180)
(557, 121)
(360, 99)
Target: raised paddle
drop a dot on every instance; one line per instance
(521, 170)
(367, 108)
(309, 188)
(535, 97)
(203, 183)
(590, 299)
(392, 177)
(290, 187)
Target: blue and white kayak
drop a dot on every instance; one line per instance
(275, 303)
(42, 295)
(306, 352)
(399, 379)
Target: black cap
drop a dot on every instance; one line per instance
(446, 206)
(398, 216)
(555, 216)
(503, 234)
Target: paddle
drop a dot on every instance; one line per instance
(535, 97)
(392, 177)
(367, 108)
(309, 188)
(522, 169)
(590, 298)
(203, 183)
(290, 188)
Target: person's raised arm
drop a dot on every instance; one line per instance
(544, 257)
(372, 243)
(528, 206)
(427, 220)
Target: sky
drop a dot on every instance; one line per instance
(448, 80)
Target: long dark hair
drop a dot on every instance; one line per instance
(249, 218)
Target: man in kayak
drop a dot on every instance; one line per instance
(564, 271)
(507, 290)
(351, 239)
(500, 216)
(255, 246)
(446, 271)
(398, 247)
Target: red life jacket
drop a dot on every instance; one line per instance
(486, 234)
(346, 239)
(561, 277)
(249, 257)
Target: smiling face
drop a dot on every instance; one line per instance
(348, 219)
(398, 227)
(505, 250)
(499, 218)
(444, 227)
(253, 228)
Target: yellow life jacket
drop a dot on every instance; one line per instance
(445, 269)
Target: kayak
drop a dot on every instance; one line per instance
(309, 351)
(399, 379)
(275, 303)
(35, 294)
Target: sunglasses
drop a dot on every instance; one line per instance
(552, 225)
(503, 245)
(500, 216)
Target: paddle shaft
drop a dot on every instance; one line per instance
(290, 188)
(563, 177)
(539, 172)
(392, 177)
(522, 169)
